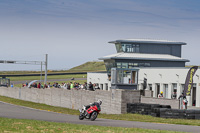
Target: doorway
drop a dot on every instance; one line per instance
(194, 96)
(157, 89)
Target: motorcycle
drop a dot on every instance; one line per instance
(90, 113)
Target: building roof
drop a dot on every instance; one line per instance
(148, 41)
(140, 56)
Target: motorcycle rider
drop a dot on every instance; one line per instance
(98, 103)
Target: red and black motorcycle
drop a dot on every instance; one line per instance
(90, 112)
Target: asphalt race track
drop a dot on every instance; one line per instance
(19, 112)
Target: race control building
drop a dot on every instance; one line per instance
(154, 65)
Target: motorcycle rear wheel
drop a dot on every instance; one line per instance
(93, 116)
(81, 116)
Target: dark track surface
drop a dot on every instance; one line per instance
(19, 112)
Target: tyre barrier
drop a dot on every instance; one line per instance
(163, 111)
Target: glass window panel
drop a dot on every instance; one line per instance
(119, 65)
(137, 49)
(130, 65)
(124, 65)
(126, 77)
(119, 47)
(147, 64)
(136, 64)
(119, 76)
(141, 64)
(123, 47)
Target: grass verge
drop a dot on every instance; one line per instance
(128, 117)
(20, 125)
(25, 78)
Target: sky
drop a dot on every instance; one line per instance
(73, 32)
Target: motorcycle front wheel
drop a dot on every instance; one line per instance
(81, 116)
(93, 116)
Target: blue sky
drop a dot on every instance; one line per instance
(73, 32)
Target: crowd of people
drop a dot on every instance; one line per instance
(64, 85)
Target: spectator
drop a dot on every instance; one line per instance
(68, 86)
(85, 86)
(49, 85)
(181, 96)
(11, 85)
(90, 86)
(54, 84)
(160, 95)
(82, 86)
(39, 85)
(45, 86)
(71, 85)
(174, 95)
(185, 102)
(35, 85)
(96, 87)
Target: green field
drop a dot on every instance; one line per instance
(86, 67)
(24, 78)
(128, 117)
(34, 126)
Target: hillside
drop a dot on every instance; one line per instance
(89, 66)
(86, 67)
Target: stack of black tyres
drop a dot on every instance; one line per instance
(172, 113)
(197, 114)
(146, 109)
(163, 111)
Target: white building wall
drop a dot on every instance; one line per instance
(170, 76)
(101, 79)
(154, 76)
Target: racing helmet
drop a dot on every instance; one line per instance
(99, 101)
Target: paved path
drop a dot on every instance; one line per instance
(19, 112)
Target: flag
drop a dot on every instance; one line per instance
(189, 81)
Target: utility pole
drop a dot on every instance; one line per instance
(46, 61)
(41, 73)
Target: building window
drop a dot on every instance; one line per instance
(109, 64)
(124, 77)
(147, 64)
(150, 86)
(124, 65)
(174, 91)
(165, 89)
(131, 65)
(141, 64)
(136, 65)
(128, 48)
(119, 47)
(119, 65)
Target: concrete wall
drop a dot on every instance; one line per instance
(73, 99)
(114, 101)
(174, 103)
(129, 96)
